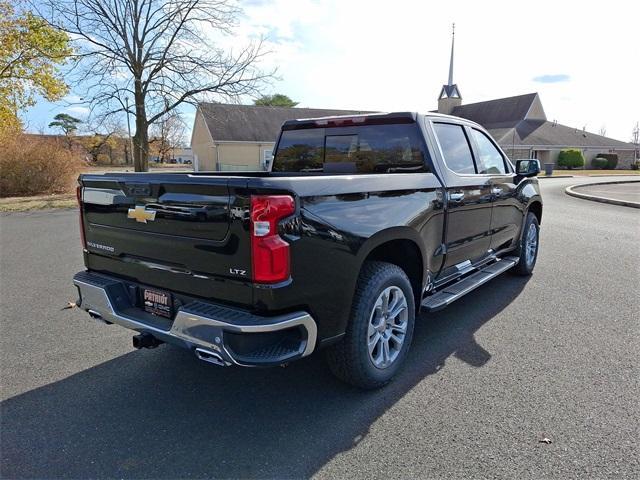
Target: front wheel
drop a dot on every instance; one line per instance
(380, 329)
(528, 248)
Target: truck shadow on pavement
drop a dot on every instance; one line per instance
(164, 414)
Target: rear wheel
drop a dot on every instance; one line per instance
(380, 329)
(528, 248)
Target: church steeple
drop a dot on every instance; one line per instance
(453, 41)
(450, 96)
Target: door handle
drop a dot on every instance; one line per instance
(456, 196)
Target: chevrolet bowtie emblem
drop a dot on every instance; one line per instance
(139, 214)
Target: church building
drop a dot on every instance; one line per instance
(520, 126)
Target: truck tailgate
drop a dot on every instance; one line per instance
(169, 230)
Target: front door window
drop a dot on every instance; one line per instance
(455, 148)
(490, 160)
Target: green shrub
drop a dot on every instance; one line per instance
(599, 163)
(612, 159)
(571, 158)
(635, 165)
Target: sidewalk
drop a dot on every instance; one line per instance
(625, 193)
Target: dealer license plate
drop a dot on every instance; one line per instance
(157, 302)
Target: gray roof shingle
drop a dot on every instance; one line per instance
(545, 133)
(521, 121)
(501, 110)
(251, 123)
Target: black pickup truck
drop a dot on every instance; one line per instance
(362, 222)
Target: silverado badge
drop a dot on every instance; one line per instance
(140, 214)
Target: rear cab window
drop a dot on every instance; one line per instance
(386, 148)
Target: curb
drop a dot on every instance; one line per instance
(625, 203)
(539, 177)
(614, 175)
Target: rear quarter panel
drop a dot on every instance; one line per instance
(341, 220)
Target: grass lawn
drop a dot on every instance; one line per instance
(580, 173)
(37, 202)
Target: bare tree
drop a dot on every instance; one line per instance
(162, 53)
(603, 131)
(167, 134)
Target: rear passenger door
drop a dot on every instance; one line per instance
(506, 218)
(469, 197)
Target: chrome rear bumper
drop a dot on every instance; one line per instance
(202, 326)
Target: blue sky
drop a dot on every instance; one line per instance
(582, 57)
(552, 78)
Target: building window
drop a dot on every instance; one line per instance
(267, 158)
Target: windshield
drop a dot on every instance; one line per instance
(361, 149)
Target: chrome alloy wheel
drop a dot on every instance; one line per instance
(531, 244)
(387, 327)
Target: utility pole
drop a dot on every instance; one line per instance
(126, 103)
(635, 139)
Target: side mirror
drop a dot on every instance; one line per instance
(528, 168)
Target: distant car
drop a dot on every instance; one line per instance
(361, 222)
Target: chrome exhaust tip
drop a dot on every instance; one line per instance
(97, 316)
(210, 357)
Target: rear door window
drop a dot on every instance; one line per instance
(455, 147)
(360, 149)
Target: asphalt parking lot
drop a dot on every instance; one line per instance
(554, 356)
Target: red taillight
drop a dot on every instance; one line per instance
(80, 216)
(269, 252)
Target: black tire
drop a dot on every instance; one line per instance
(349, 359)
(527, 261)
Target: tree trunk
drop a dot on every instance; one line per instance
(141, 137)
(141, 148)
(163, 149)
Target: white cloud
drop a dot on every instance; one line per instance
(81, 112)
(71, 98)
(395, 55)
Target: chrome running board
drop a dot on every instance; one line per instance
(458, 289)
